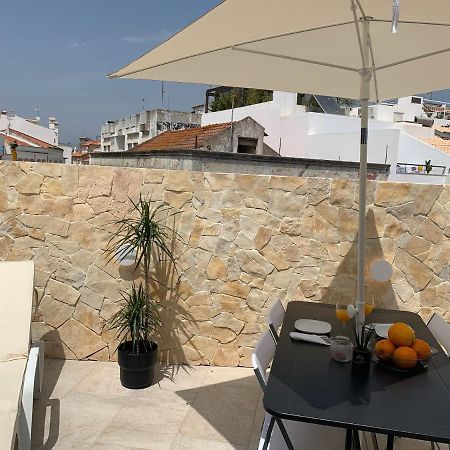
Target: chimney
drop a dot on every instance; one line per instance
(52, 123)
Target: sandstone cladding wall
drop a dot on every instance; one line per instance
(248, 240)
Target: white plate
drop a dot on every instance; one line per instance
(312, 326)
(381, 329)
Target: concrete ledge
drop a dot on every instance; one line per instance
(204, 161)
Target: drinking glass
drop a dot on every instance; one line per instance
(343, 312)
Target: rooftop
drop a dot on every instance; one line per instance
(190, 138)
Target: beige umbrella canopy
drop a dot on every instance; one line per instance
(343, 48)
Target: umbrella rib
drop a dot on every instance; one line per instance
(358, 33)
(293, 58)
(416, 58)
(412, 22)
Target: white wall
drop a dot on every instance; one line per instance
(34, 130)
(333, 137)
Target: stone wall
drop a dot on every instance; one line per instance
(248, 240)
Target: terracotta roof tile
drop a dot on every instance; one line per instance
(31, 139)
(439, 143)
(10, 139)
(190, 138)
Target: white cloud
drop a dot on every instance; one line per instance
(75, 43)
(156, 37)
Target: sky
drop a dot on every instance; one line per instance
(56, 54)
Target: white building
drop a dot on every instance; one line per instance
(294, 132)
(28, 133)
(124, 134)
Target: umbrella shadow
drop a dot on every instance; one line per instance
(344, 284)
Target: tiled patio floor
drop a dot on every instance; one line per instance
(84, 406)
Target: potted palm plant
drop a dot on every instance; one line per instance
(142, 236)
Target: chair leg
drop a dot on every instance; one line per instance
(356, 441)
(285, 434)
(348, 439)
(32, 385)
(390, 442)
(374, 441)
(269, 433)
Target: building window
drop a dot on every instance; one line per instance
(247, 145)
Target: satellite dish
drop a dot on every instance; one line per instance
(381, 271)
(125, 256)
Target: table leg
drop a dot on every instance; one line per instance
(390, 442)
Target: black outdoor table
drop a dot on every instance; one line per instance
(306, 385)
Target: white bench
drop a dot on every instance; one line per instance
(21, 364)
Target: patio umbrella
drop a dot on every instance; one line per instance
(343, 48)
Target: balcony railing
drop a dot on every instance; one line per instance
(420, 169)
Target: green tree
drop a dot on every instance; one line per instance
(242, 97)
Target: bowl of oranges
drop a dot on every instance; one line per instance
(401, 351)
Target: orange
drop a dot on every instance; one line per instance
(421, 348)
(384, 349)
(401, 334)
(405, 358)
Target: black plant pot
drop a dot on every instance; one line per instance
(361, 358)
(137, 370)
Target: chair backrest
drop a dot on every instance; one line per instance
(275, 318)
(16, 305)
(262, 356)
(441, 331)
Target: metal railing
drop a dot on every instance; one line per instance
(420, 169)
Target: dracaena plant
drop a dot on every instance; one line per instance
(137, 319)
(144, 233)
(362, 339)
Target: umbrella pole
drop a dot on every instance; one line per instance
(366, 76)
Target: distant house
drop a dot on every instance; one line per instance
(87, 146)
(245, 136)
(123, 134)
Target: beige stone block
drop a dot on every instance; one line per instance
(342, 193)
(393, 194)
(417, 273)
(230, 304)
(32, 221)
(227, 320)
(430, 231)
(223, 335)
(288, 184)
(89, 317)
(62, 292)
(103, 179)
(206, 346)
(277, 259)
(80, 339)
(348, 224)
(256, 299)
(203, 312)
(425, 195)
(439, 216)
(248, 340)
(199, 299)
(247, 315)
(91, 298)
(56, 226)
(49, 169)
(52, 186)
(227, 355)
(262, 237)
(179, 181)
(245, 355)
(407, 215)
(286, 204)
(61, 207)
(31, 184)
(219, 182)
(100, 282)
(310, 289)
(291, 226)
(53, 312)
(236, 289)
(394, 227)
(70, 275)
(318, 190)
(217, 269)
(31, 204)
(82, 259)
(416, 246)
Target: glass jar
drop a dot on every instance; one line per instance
(341, 349)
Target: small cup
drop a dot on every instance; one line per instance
(341, 349)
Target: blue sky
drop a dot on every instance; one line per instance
(56, 54)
